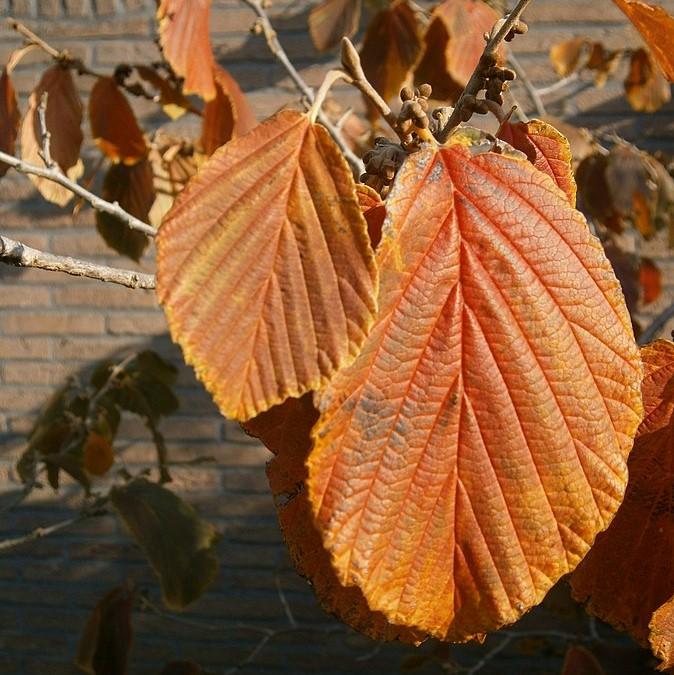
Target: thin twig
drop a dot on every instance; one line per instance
(15, 253)
(556, 86)
(475, 84)
(54, 174)
(307, 92)
(490, 655)
(45, 135)
(522, 77)
(39, 532)
(284, 601)
(653, 329)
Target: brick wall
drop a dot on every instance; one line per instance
(52, 326)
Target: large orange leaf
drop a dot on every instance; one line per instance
(186, 44)
(453, 44)
(264, 266)
(470, 454)
(546, 148)
(286, 430)
(656, 28)
(228, 115)
(390, 48)
(628, 573)
(113, 123)
(63, 120)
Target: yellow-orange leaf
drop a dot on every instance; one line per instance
(63, 121)
(331, 20)
(470, 454)
(661, 636)
(453, 44)
(656, 28)
(546, 148)
(265, 270)
(646, 88)
(286, 430)
(628, 573)
(390, 48)
(228, 115)
(113, 123)
(186, 44)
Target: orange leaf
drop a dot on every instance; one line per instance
(113, 124)
(656, 28)
(264, 266)
(98, 454)
(390, 49)
(546, 148)
(581, 661)
(186, 44)
(470, 454)
(173, 101)
(374, 210)
(650, 279)
(565, 56)
(286, 430)
(331, 20)
(9, 118)
(453, 44)
(646, 88)
(63, 121)
(661, 636)
(228, 115)
(628, 573)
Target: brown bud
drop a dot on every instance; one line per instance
(406, 94)
(350, 58)
(423, 103)
(425, 90)
(416, 109)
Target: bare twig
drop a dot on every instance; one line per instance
(15, 253)
(352, 65)
(556, 86)
(54, 174)
(330, 78)
(284, 601)
(277, 50)
(534, 93)
(476, 82)
(94, 511)
(45, 135)
(490, 655)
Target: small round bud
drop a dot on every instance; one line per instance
(423, 103)
(425, 90)
(406, 94)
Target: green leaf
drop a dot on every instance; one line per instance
(179, 545)
(106, 640)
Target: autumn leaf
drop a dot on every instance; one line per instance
(106, 640)
(578, 53)
(646, 88)
(628, 573)
(331, 20)
(656, 28)
(265, 271)
(286, 430)
(132, 187)
(186, 44)
(98, 454)
(180, 546)
(173, 102)
(374, 210)
(566, 56)
(650, 278)
(390, 48)
(10, 117)
(579, 660)
(661, 636)
(453, 44)
(546, 148)
(467, 458)
(63, 121)
(113, 123)
(228, 115)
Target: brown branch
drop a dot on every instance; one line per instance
(307, 92)
(15, 253)
(476, 83)
(57, 176)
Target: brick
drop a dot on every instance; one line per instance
(22, 398)
(79, 244)
(84, 294)
(21, 347)
(78, 349)
(45, 372)
(50, 8)
(24, 8)
(78, 8)
(136, 323)
(121, 26)
(124, 51)
(51, 323)
(105, 7)
(23, 295)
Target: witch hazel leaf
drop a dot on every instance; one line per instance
(265, 270)
(468, 457)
